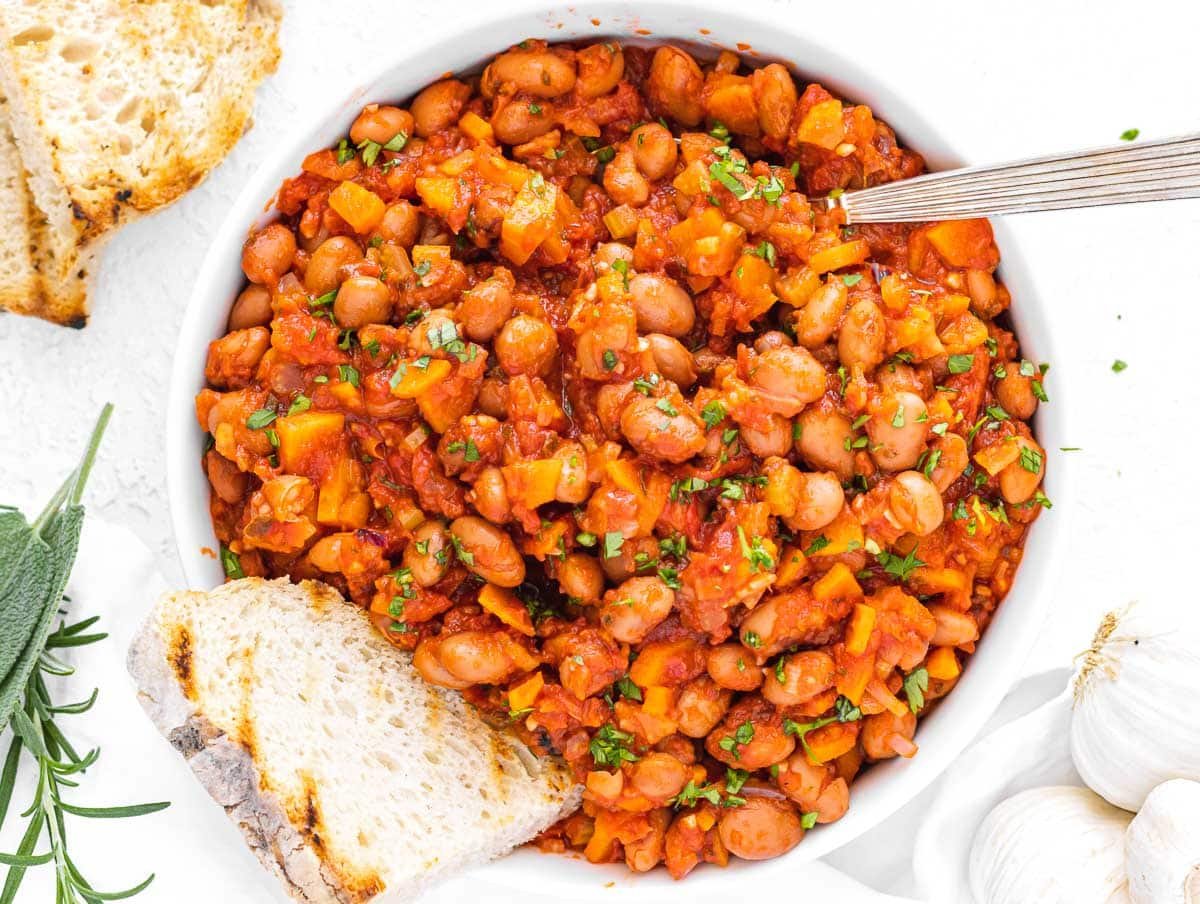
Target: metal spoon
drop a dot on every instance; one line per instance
(1162, 170)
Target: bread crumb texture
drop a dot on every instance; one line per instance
(383, 782)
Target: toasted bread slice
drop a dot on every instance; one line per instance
(350, 777)
(121, 106)
(20, 286)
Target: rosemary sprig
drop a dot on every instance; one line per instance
(35, 562)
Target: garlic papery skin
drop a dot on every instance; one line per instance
(1130, 730)
(1061, 844)
(1162, 846)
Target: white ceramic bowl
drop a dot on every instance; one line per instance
(769, 35)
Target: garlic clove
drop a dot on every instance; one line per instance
(1162, 846)
(1061, 844)
(1127, 734)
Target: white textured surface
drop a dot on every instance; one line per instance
(1030, 79)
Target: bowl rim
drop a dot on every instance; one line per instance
(990, 671)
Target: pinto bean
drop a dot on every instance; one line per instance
(439, 106)
(488, 551)
(760, 829)
(267, 254)
(662, 305)
(659, 434)
(633, 609)
(898, 431)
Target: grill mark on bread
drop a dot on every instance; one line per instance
(356, 886)
(180, 655)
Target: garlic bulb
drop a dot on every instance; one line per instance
(1060, 844)
(1128, 732)
(1162, 846)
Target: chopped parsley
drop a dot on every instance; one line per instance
(852, 279)
(261, 418)
(916, 683)
(897, 566)
(301, 403)
(231, 563)
(1118, 366)
(626, 688)
(610, 359)
(610, 747)
(613, 540)
(712, 414)
(960, 364)
(743, 734)
(1130, 134)
(348, 374)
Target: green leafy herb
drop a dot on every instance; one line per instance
(613, 541)
(301, 403)
(743, 734)
(35, 563)
(260, 418)
(610, 359)
(960, 364)
(819, 542)
(231, 563)
(808, 820)
(585, 539)
(916, 683)
(1118, 366)
(712, 414)
(348, 374)
(852, 279)
(628, 689)
(897, 566)
(610, 747)
(1130, 134)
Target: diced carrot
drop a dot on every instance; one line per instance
(797, 286)
(548, 541)
(839, 583)
(753, 279)
(458, 164)
(858, 631)
(415, 381)
(300, 434)
(358, 206)
(599, 848)
(430, 254)
(621, 222)
(475, 126)
(823, 125)
(939, 580)
(524, 695)
(505, 605)
(847, 254)
(729, 100)
(347, 394)
(693, 179)
(438, 193)
(942, 663)
(665, 663)
(529, 220)
(341, 501)
(842, 534)
(658, 700)
(854, 673)
(953, 305)
(793, 566)
(830, 742)
(532, 483)
(498, 169)
(964, 243)
(964, 333)
(996, 457)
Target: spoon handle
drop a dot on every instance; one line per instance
(1161, 170)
